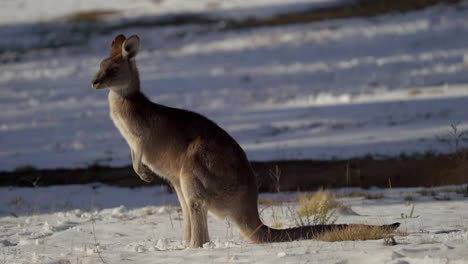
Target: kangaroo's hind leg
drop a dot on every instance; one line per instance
(194, 195)
(185, 213)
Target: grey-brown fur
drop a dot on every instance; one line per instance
(207, 168)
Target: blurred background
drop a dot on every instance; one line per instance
(290, 80)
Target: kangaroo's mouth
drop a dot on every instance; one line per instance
(96, 84)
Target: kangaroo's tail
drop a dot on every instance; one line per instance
(248, 220)
(265, 234)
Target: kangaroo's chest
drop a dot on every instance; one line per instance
(160, 149)
(126, 123)
(125, 128)
(150, 153)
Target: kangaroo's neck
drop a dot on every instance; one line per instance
(132, 88)
(117, 99)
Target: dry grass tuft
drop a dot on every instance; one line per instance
(149, 211)
(357, 232)
(322, 201)
(317, 209)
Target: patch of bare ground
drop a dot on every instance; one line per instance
(357, 8)
(295, 174)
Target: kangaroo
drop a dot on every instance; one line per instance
(205, 165)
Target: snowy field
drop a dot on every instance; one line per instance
(30, 11)
(101, 224)
(333, 89)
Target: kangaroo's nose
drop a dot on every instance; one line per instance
(95, 82)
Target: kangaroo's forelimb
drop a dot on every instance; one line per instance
(141, 169)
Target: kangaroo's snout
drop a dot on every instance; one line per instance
(96, 82)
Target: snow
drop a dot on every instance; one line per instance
(82, 224)
(32, 11)
(335, 89)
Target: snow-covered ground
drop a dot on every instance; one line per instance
(343, 88)
(333, 89)
(32, 11)
(102, 224)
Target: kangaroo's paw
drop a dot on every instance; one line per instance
(145, 174)
(146, 177)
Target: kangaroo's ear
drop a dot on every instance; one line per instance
(130, 47)
(116, 46)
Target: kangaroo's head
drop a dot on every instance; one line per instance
(118, 72)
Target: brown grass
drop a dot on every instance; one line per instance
(92, 16)
(427, 192)
(428, 242)
(272, 201)
(353, 194)
(357, 232)
(266, 201)
(423, 171)
(414, 92)
(375, 196)
(361, 8)
(276, 223)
